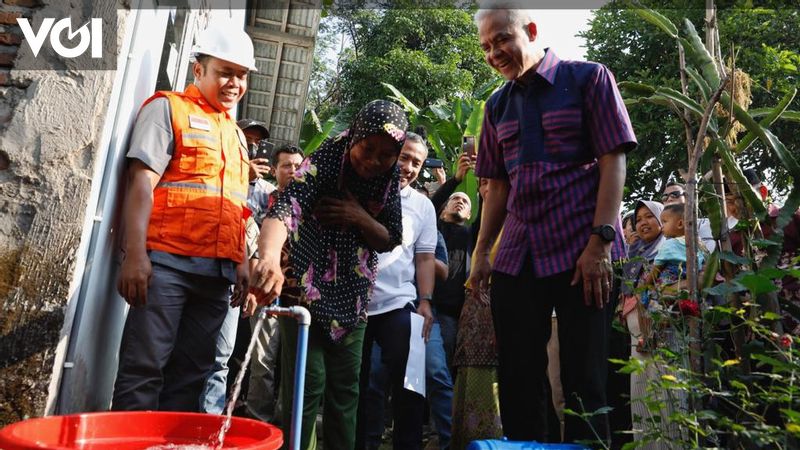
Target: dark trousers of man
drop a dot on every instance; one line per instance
(391, 331)
(521, 309)
(168, 345)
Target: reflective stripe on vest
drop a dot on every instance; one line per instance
(199, 204)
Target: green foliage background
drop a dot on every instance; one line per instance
(766, 42)
(430, 55)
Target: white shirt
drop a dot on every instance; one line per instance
(705, 235)
(394, 286)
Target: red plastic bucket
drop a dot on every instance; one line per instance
(136, 431)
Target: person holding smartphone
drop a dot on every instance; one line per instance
(466, 162)
(256, 134)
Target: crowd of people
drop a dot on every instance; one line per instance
(515, 305)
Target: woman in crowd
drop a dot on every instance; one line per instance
(476, 408)
(646, 221)
(342, 207)
(654, 431)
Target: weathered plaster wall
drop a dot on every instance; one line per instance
(48, 145)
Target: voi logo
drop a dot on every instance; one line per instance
(90, 34)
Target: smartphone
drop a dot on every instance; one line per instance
(468, 145)
(264, 149)
(433, 163)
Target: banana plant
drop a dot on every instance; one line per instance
(314, 132)
(446, 125)
(703, 72)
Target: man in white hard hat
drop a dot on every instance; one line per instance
(184, 216)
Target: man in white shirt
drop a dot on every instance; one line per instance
(391, 302)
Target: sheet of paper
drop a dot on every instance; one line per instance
(415, 367)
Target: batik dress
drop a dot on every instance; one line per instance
(334, 265)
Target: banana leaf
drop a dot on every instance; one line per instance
(441, 112)
(467, 106)
(638, 92)
(469, 186)
(656, 19)
(310, 127)
(433, 136)
(700, 82)
(791, 116)
(710, 271)
(475, 120)
(770, 116)
(450, 134)
(734, 171)
(682, 100)
(701, 55)
(770, 140)
(712, 208)
(313, 144)
(407, 104)
(631, 89)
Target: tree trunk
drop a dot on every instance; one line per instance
(729, 269)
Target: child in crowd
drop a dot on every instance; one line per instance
(669, 266)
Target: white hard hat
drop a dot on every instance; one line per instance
(229, 43)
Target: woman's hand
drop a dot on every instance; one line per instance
(344, 212)
(267, 279)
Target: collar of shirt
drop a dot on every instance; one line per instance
(546, 69)
(406, 191)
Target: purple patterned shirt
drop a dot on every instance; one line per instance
(544, 133)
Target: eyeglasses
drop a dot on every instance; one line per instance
(673, 194)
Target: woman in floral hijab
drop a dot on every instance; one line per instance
(342, 207)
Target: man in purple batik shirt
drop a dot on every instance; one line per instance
(553, 147)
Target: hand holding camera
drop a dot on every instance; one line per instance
(259, 160)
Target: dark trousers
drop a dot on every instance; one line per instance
(619, 386)
(168, 345)
(522, 307)
(391, 331)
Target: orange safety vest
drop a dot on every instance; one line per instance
(200, 202)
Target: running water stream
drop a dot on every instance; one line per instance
(219, 439)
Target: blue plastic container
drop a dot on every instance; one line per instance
(497, 444)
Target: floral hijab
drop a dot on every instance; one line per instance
(379, 116)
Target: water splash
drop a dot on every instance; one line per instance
(218, 440)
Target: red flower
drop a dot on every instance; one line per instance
(785, 341)
(689, 308)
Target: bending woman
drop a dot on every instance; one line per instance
(342, 207)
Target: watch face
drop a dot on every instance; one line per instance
(608, 233)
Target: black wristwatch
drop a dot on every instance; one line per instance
(606, 232)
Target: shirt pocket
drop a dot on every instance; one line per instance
(562, 132)
(201, 154)
(191, 213)
(508, 140)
